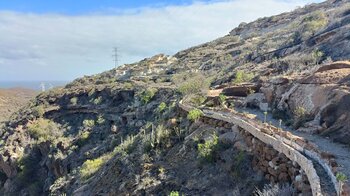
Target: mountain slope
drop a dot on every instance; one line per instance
(120, 132)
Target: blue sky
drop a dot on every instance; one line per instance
(76, 7)
(47, 40)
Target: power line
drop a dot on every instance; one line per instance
(115, 55)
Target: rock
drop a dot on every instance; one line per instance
(241, 146)
(6, 166)
(283, 177)
(268, 93)
(264, 107)
(280, 81)
(228, 138)
(114, 128)
(254, 100)
(240, 91)
(335, 65)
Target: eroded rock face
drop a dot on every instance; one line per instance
(323, 94)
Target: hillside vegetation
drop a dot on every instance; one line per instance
(121, 133)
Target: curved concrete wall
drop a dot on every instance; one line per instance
(283, 145)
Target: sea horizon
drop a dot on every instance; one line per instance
(33, 85)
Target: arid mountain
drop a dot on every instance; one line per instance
(121, 132)
(12, 100)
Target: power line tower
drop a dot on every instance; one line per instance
(42, 85)
(115, 55)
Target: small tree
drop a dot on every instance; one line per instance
(341, 179)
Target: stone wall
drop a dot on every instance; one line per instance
(273, 151)
(275, 165)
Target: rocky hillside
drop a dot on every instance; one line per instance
(121, 133)
(13, 99)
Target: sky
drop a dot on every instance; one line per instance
(43, 40)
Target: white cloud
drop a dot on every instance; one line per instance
(48, 46)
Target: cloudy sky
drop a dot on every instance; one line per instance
(47, 40)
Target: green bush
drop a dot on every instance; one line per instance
(90, 167)
(100, 120)
(74, 100)
(126, 146)
(341, 177)
(310, 25)
(222, 98)
(44, 129)
(174, 193)
(88, 123)
(206, 151)
(191, 83)
(38, 111)
(198, 100)
(317, 55)
(162, 106)
(194, 114)
(242, 77)
(147, 95)
(83, 138)
(128, 85)
(314, 21)
(97, 101)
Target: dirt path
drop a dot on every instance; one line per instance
(341, 152)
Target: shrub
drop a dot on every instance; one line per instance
(341, 177)
(83, 138)
(242, 77)
(174, 193)
(162, 106)
(128, 145)
(315, 21)
(206, 151)
(311, 24)
(74, 100)
(100, 120)
(191, 83)
(275, 190)
(300, 116)
(317, 55)
(162, 135)
(222, 98)
(97, 101)
(128, 85)
(194, 114)
(88, 123)
(238, 163)
(44, 129)
(147, 95)
(198, 100)
(39, 111)
(90, 167)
